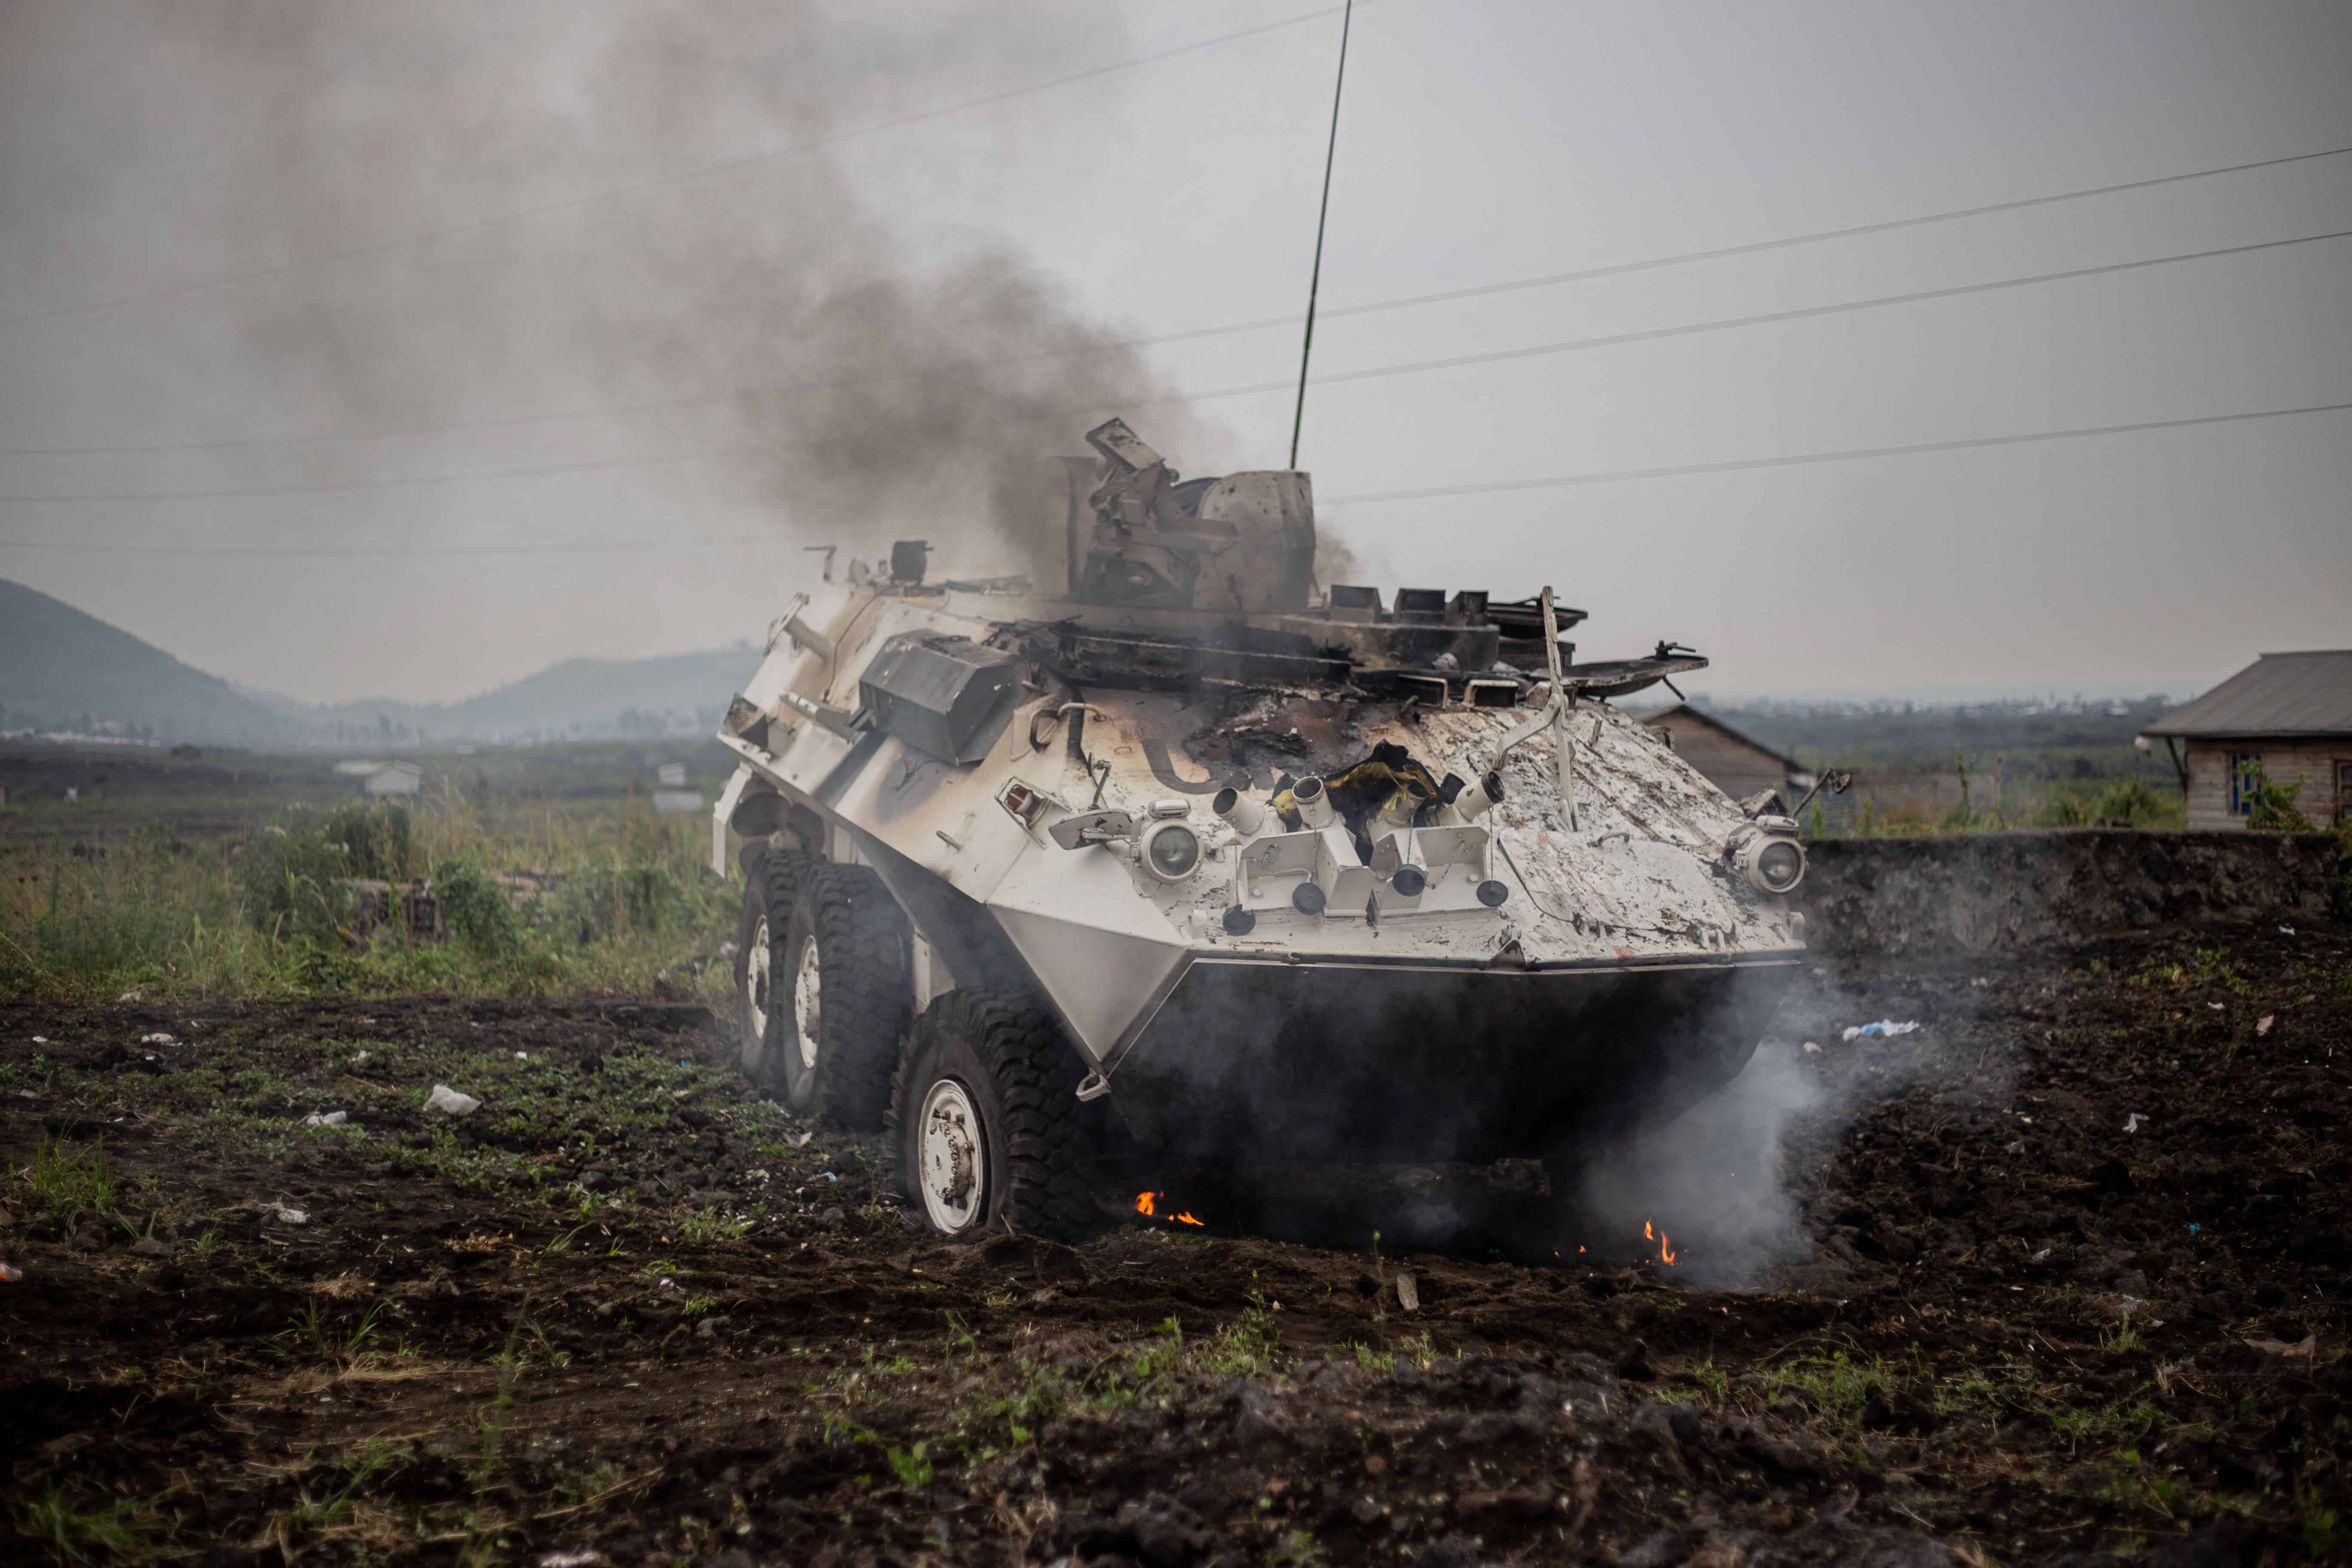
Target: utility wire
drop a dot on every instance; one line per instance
(1247, 389)
(680, 177)
(1370, 497)
(1849, 454)
(1887, 226)
(1808, 312)
(1191, 334)
(607, 547)
(1322, 216)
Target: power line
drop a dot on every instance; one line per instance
(1887, 226)
(1849, 454)
(700, 172)
(1247, 389)
(607, 547)
(1192, 334)
(1619, 476)
(1805, 313)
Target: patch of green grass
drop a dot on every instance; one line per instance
(2326, 1532)
(68, 1179)
(311, 1332)
(333, 1507)
(72, 1531)
(713, 1225)
(1296, 1548)
(1247, 1347)
(911, 1466)
(1837, 1385)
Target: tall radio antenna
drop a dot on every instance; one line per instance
(1315, 278)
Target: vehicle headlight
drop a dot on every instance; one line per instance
(1771, 864)
(1172, 851)
(1781, 865)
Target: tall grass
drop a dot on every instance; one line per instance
(616, 897)
(2128, 803)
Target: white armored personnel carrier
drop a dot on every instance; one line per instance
(1154, 853)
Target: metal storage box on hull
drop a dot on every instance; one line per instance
(948, 696)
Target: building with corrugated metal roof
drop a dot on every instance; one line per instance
(2288, 715)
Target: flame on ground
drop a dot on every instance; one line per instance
(1658, 1238)
(1148, 1206)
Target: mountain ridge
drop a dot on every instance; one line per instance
(63, 670)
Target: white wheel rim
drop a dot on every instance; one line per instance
(807, 1003)
(951, 1162)
(755, 993)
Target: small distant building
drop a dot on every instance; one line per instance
(2291, 713)
(671, 776)
(668, 800)
(394, 778)
(1731, 761)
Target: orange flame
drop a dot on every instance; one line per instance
(1148, 1206)
(1666, 1253)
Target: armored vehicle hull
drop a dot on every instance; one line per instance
(1157, 862)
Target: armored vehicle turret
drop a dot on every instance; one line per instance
(1155, 852)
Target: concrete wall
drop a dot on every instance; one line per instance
(1960, 894)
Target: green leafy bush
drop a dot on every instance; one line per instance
(292, 877)
(2269, 807)
(476, 909)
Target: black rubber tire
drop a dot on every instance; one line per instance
(1021, 1076)
(772, 880)
(866, 996)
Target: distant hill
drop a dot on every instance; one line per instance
(684, 693)
(62, 669)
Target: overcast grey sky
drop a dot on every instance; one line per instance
(581, 253)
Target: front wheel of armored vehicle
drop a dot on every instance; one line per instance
(986, 1125)
(838, 998)
(772, 880)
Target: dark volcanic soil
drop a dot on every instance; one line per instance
(623, 1307)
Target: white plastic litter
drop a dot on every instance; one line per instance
(1812, 1048)
(580, 1557)
(1884, 1029)
(359, 1059)
(2132, 1123)
(522, 1056)
(157, 1040)
(799, 1140)
(40, 1039)
(284, 1214)
(326, 1118)
(2262, 1024)
(449, 1102)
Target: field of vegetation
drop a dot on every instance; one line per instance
(246, 876)
(1976, 768)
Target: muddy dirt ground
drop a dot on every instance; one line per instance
(2069, 1279)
